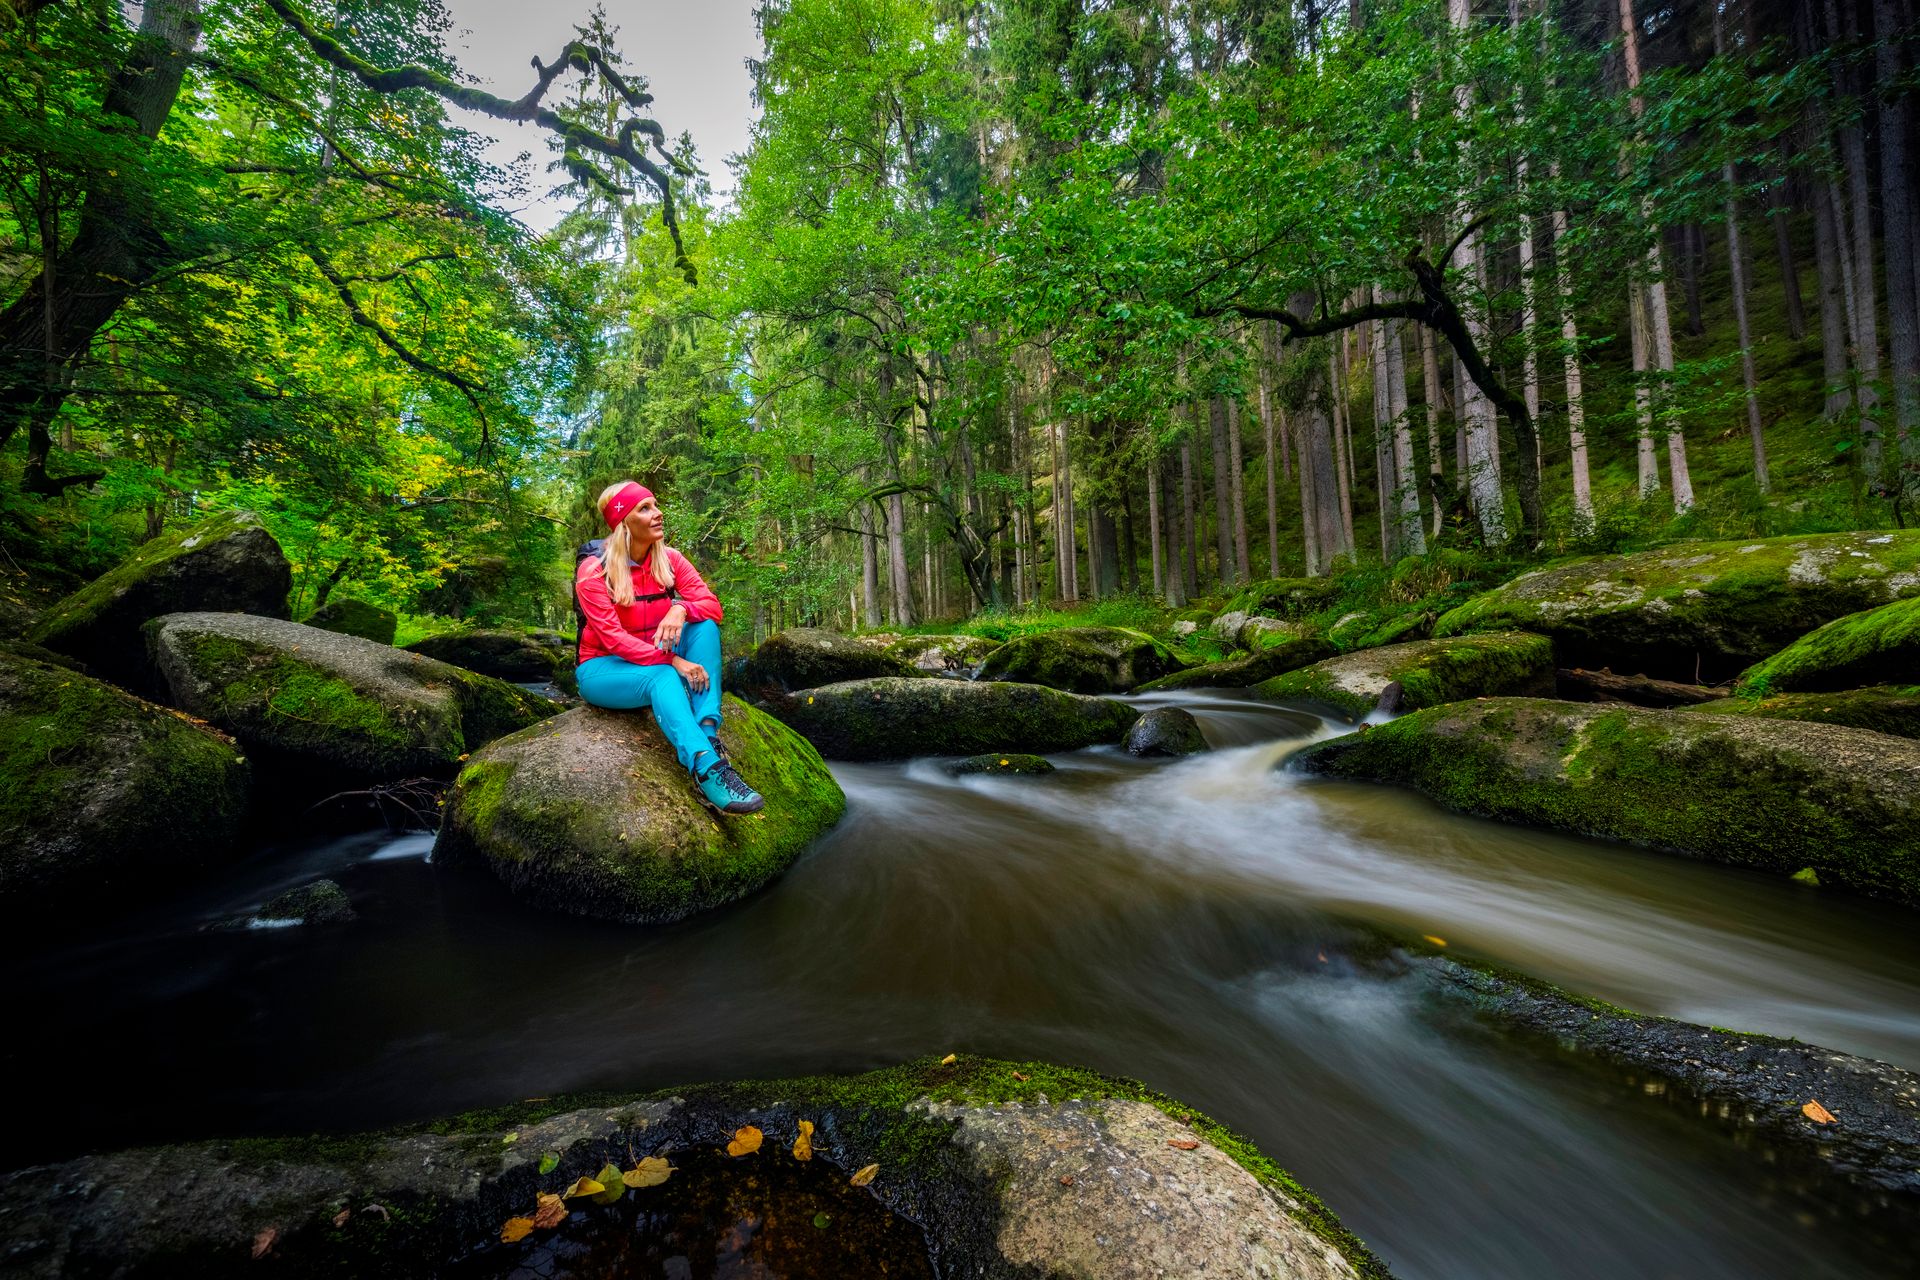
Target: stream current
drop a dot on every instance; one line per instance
(1180, 922)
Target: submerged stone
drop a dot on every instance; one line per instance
(322, 902)
(355, 618)
(1877, 646)
(354, 708)
(591, 814)
(103, 795)
(894, 719)
(1165, 731)
(1429, 673)
(1082, 659)
(1774, 795)
(226, 563)
(1698, 610)
(1008, 1170)
(1014, 762)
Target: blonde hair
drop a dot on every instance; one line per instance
(616, 554)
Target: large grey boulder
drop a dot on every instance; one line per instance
(310, 697)
(1698, 610)
(1775, 795)
(1277, 648)
(1165, 731)
(506, 653)
(955, 655)
(893, 719)
(1891, 709)
(591, 814)
(1428, 673)
(1002, 1171)
(102, 795)
(1082, 659)
(227, 563)
(804, 657)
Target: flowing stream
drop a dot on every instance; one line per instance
(1183, 922)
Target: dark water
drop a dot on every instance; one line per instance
(1164, 921)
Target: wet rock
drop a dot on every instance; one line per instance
(322, 902)
(335, 704)
(1698, 611)
(942, 655)
(1014, 762)
(1429, 672)
(893, 719)
(1277, 649)
(506, 653)
(1082, 659)
(806, 657)
(1011, 1170)
(1774, 795)
(227, 563)
(1877, 646)
(103, 795)
(591, 814)
(352, 617)
(1165, 731)
(1893, 709)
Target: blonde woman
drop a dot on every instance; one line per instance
(650, 637)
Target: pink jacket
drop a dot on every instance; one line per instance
(627, 631)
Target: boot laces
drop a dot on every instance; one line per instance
(736, 785)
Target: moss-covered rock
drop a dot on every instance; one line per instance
(322, 902)
(1877, 646)
(1698, 609)
(226, 563)
(1429, 673)
(1006, 1167)
(1013, 762)
(351, 617)
(1082, 659)
(1371, 628)
(1279, 656)
(893, 719)
(1775, 795)
(956, 655)
(591, 814)
(309, 697)
(1891, 709)
(1165, 731)
(1284, 597)
(805, 657)
(506, 653)
(103, 795)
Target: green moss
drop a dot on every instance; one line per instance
(355, 618)
(1082, 659)
(1877, 646)
(258, 689)
(1807, 876)
(1430, 673)
(80, 609)
(1883, 708)
(892, 719)
(1010, 762)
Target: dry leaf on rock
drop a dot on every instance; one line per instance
(865, 1176)
(264, 1241)
(1022, 1079)
(583, 1187)
(1817, 1113)
(1182, 1144)
(746, 1141)
(650, 1172)
(803, 1145)
(516, 1229)
(340, 1218)
(551, 1213)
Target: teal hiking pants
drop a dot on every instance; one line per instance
(620, 685)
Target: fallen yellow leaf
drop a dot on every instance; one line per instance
(803, 1145)
(263, 1242)
(746, 1141)
(583, 1187)
(1438, 942)
(551, 1213)
(947, 1061)
(865, 1176)
(1817, 1113)
(650, 1172)
(1022, 1079)
(516, 1229)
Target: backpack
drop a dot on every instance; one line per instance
(580, 553)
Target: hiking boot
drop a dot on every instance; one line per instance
(726, 792)
(719, 749)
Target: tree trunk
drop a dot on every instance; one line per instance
(1434, 395)
(1273, 499)
(1189, 520)
(1865, 301)
(1583, 519)
(869, 570)
(1898, 214)
(1222, 488)
(1153, 527)
(1649, 463)
(1413, 534)
(1327, 519)
(1342, 459)
(899, 578)
(1737, 273)
(1238, 492)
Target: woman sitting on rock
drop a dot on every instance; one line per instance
(655, 642)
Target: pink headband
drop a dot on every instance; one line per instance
(630, 496)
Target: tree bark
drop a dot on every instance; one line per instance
(1865, 301)
(1737, 274)
(1222, 488)
(1898, 214)
(1434, 394)
(1189, 520)
(1648, 461)
(869, 570)
(1583, 518)
(1238, 492)
(1153, 526)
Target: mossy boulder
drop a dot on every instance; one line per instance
(955, 655)
(894, 719)
(1429, 673)
(1010, 1171)
(322, 902)
(591, 814)
(507, 653)
(1371, 628)
(1277, 655)
(228, 563)
(1700, 609)
(1082, 659)
(1014, 762)
(1165, 731)
(1284, 597)
(351, 617)
(1774, 795)
(805, 657)
(103, 795)
(332, 706)
(1891, 709)
(1877, 646)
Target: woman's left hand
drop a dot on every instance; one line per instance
(667, 634)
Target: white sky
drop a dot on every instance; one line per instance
(691, 52)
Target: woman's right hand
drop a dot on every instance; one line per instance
(692, 672)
